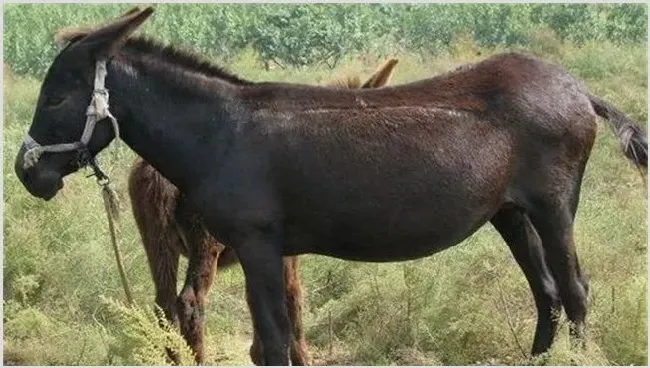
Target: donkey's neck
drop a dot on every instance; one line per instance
(170, 124)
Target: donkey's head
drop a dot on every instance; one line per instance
(68, 128)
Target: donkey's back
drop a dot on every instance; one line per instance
(351, 173)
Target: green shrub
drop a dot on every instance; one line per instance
(295, 35)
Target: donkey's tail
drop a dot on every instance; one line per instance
(633, 139)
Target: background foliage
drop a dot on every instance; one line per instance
(467, 305)
(299, 35)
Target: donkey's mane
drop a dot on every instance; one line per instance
(183, 58)
(168, 53)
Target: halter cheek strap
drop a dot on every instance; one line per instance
(97, 110)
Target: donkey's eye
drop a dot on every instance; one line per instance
(53, 101)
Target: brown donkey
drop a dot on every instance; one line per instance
(170, 229)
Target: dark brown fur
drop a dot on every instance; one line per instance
(170, 229)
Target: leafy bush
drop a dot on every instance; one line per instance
(299, 35)
(140, 340)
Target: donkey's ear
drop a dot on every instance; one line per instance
(132, 11)
(381, 76)
(105, 41)
(64, 36)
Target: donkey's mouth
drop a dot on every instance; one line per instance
(49, 194)
(59, 186)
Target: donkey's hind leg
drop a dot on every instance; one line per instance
(553, 220)
(298, 351)
(524, 243)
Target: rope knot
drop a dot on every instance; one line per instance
(98, 105)
(111, 199)
(31, 156)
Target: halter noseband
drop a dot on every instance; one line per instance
(97, 110)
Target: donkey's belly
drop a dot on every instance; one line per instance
(375, 194)
(413, 226)
(379, 245)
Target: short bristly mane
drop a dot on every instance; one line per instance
(183, 58)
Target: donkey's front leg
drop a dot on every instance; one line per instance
(261, 259)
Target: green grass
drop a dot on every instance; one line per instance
(467, 305)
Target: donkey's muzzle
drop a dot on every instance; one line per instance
(39, 182)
